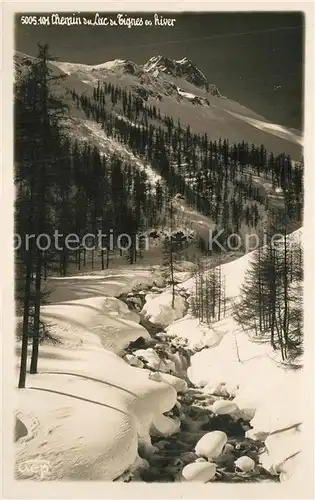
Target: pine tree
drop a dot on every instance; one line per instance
(37, 118)
(169, 248)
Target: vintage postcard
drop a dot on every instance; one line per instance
(158, 272)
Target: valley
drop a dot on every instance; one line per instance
(186, 355)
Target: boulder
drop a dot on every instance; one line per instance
(164, 426)
(133, 361)
(245, 464)
(199, 471)
(224, 407)
(159, 311)
(150, 356)
(211, 444)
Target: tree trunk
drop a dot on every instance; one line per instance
(107, 258)
(79, 258)
(27, 296)
(102, 259)
(35, 347)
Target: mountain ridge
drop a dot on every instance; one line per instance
(192, 105)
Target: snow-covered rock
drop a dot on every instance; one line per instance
(224, 407)
(150, 356)
(167, 366)
(160, 282)
(277, 406)
(199, 471)
(139, 464)
(211, 444)
(198, 335)
(165, 426)
(177, 383)
(216, 389)
(159, 311)
(245, 464)
(133, 361)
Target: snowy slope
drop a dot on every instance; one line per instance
(83, 375)
(272, 128)
(107, 317)
(107, 283)
(230, 361)
(87, 412)
(160, 79)
(113, 146)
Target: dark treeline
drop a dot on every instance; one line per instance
(209, 302)
(216, 178)
(271, 300)
(72, 188)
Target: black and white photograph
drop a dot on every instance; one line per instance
(158, 260)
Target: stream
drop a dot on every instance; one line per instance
(197, 418)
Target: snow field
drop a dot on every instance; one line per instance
(126, 403)
(92, 410)
(232, 362)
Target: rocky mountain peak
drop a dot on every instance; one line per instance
(183, 68)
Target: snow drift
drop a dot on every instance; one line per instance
(87, 412)
(159, 311)
(231, 362)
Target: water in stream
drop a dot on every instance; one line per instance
(197, 418)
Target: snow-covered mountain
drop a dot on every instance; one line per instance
(184, 68)
(180, 90)
(156, 66)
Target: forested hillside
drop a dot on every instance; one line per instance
(133, 260)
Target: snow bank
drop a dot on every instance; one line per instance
(235, 363)
(158, 308)
(107, 317)
(280, 448)
(87, 411)
(265, 393)
(198, 335)
(107, 283)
